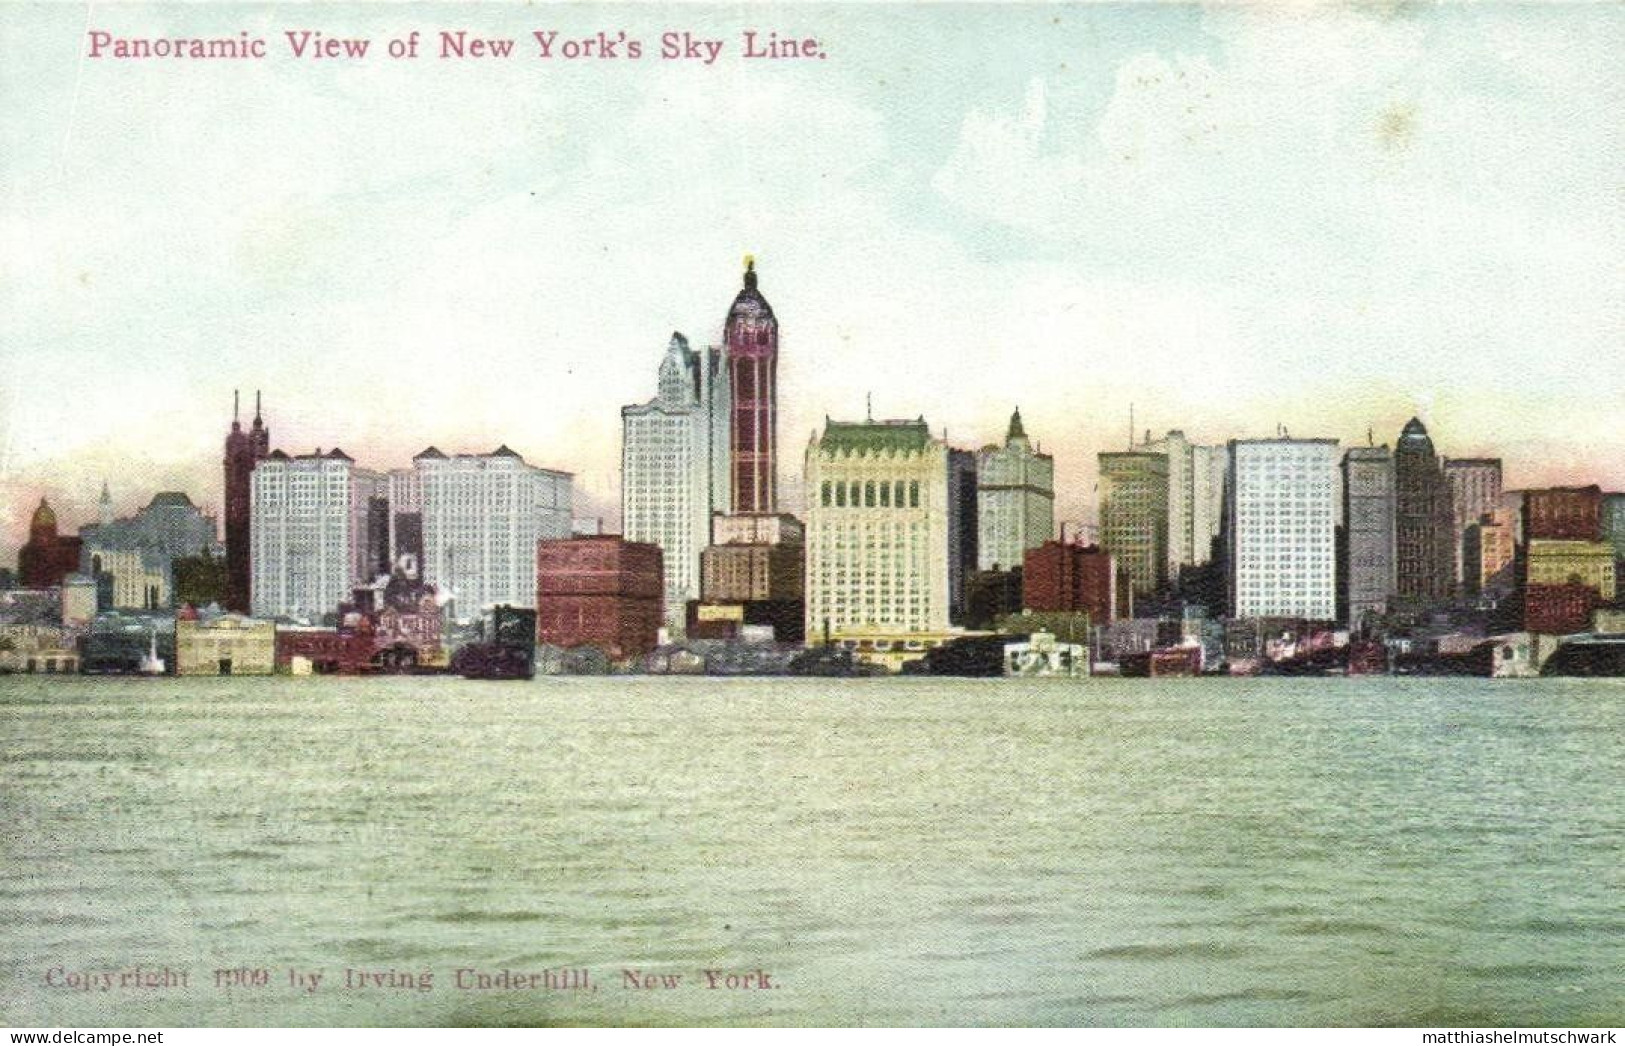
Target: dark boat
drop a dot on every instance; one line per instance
(1591, 656)
(494, 661)
(829, 661)
(1171, 661)
(511, 656)
(1367, 657)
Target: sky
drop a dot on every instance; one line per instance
(1328, 218)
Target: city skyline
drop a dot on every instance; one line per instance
(1161, 206)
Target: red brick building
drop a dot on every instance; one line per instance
(330, 651)
(1063, 577)
(1563, 514)
(48, 557)
(1559, 610)
(600, 591)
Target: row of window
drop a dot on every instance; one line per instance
(870, 494)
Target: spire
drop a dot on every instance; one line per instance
(750, 272)
(1017, 431)
(256, 405)
(106, 506)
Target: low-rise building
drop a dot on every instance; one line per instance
(31, 647)
(79, 600)
(304, 650)
(214, 643)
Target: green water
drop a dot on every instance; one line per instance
(1317, 851)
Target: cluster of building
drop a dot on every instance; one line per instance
(910, 554)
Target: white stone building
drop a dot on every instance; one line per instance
(482, 517)
(674, 469)
(877, 531)
(1195, 498)
(1282, 528)
(307, 520)
(1015, 494)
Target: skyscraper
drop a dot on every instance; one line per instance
(483, 515)
(1209, 465)
(308, 532)
(751, 341)
(1134, 515)
(877, 531)
(1015, 490)
(666, 475)
(1280, 527)
(1368, 521)
(243, 451)
(1195, 498)
(1475, 490)
(1423, 520)
(964, 535)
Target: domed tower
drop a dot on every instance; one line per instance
(1424, 545)
(243, 451)
(49, 556)
(42, 528)
(751, 335)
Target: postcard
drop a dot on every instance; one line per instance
(1033, 514)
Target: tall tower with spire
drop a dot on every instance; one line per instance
(751, 337)
(243, 451)
(666, 473)
(1015, 498)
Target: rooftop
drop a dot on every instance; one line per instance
(872, 437)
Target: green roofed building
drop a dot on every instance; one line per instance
(877, 535)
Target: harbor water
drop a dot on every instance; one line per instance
(428, 851)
